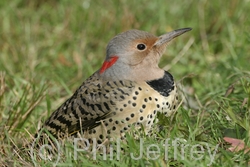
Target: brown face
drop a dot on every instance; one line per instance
(147, 51)
(142, 49)
(135, 53)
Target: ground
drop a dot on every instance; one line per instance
(48, 48)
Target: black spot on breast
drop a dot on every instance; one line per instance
(163, 85)
(112, 102)
(101, 136)
(99, 141)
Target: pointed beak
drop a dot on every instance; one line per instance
(170, 35)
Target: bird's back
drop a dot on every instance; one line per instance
(103, 109)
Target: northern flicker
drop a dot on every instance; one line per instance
(128, 90)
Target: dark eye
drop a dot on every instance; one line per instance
(141, 46)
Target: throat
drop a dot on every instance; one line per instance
(163, 85)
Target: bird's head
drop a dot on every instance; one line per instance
(135, 54)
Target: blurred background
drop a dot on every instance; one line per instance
(53, 46)
(49, 47)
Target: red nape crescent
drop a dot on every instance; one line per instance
(108, 63)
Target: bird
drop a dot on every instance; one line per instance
(128, 90)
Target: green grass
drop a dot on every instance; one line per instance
(48, 48)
